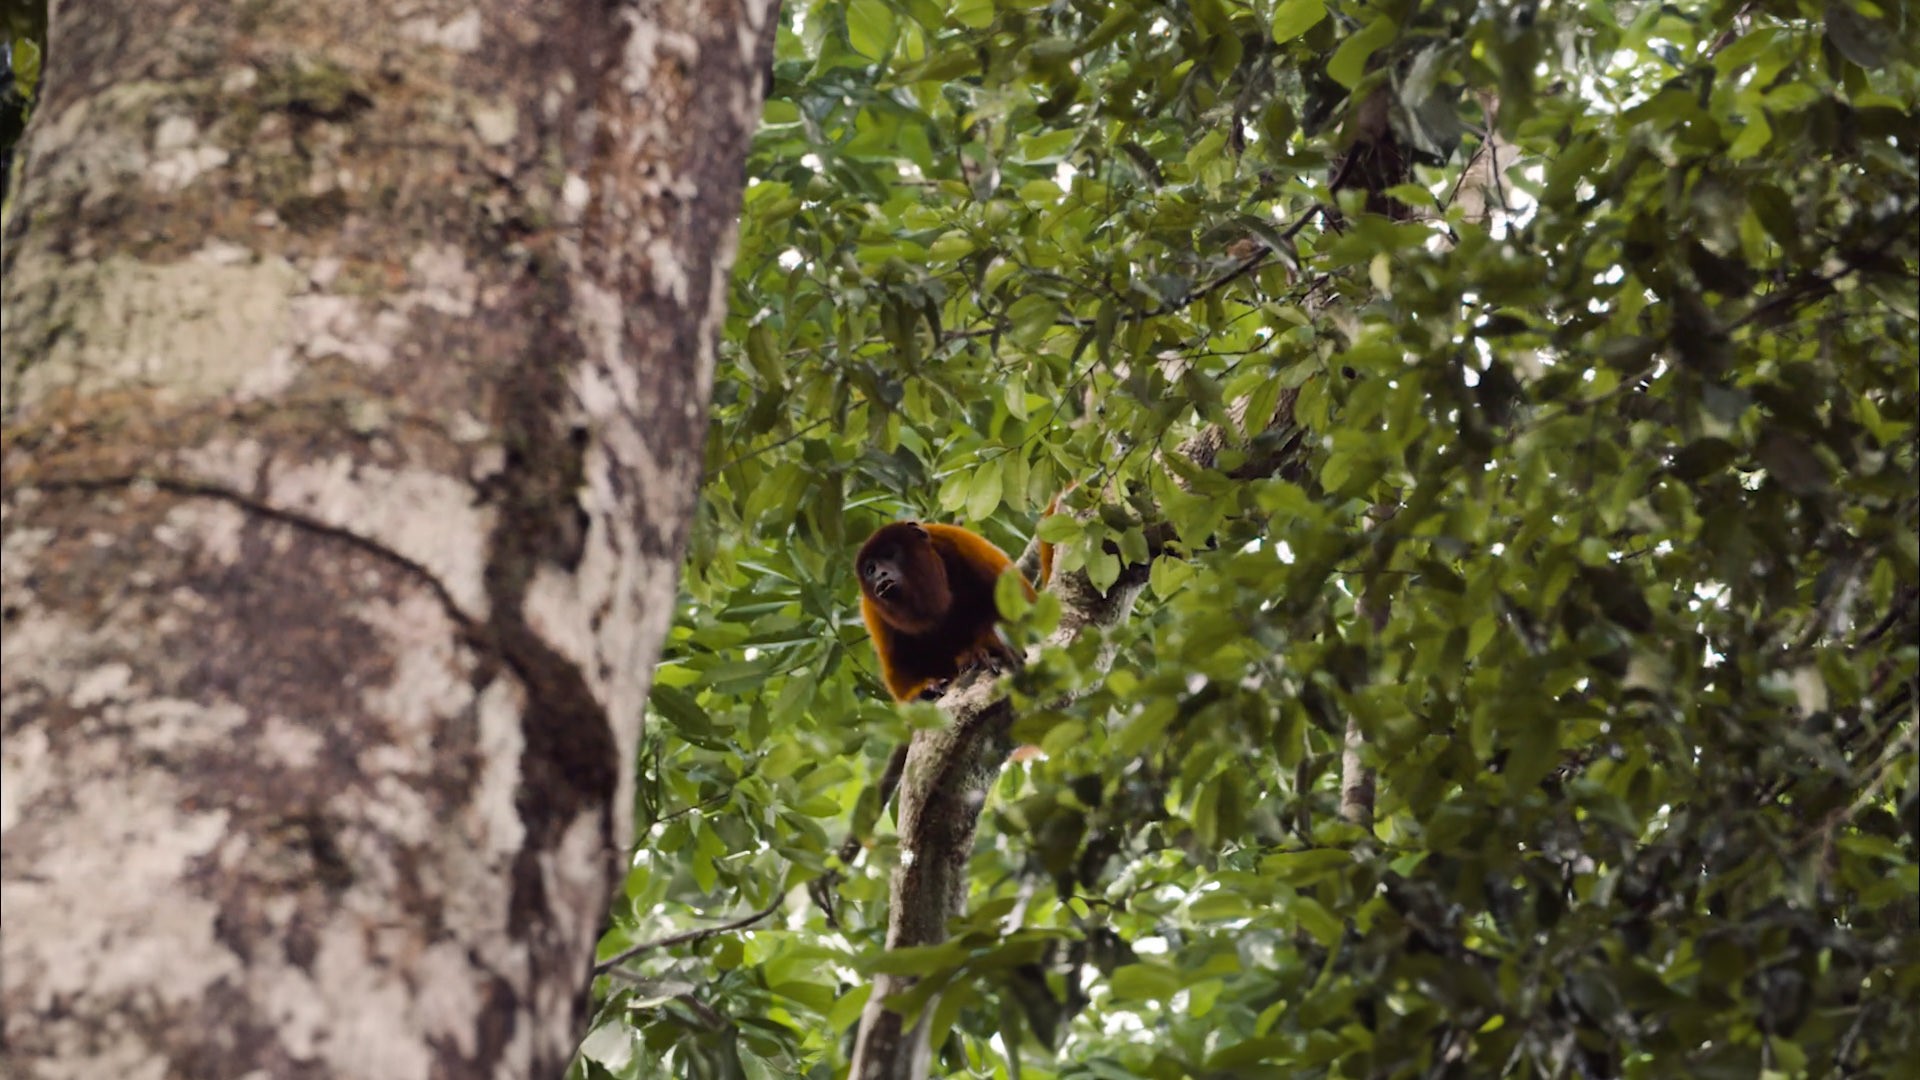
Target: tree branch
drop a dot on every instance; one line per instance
(690, 936)
(942, 791)
(948, 770)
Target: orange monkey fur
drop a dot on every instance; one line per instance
(1046, 549)
(926, 592)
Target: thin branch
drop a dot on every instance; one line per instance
(688, 937)
(1882, 771)
(1240, 270)
(1814, 286)
(1902, 604)
(774, 445)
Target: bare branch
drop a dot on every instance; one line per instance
(686, 938)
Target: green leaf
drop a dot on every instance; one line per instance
(1145, 982)
(707, 847)
(919, 961)
(1295, 17)
(1860, 39)
(944, 66)
(1151, 722)
(681, 710)
(1166, 576)
(1041, 192)
(1059, 529)
(1206, 149)
(1753, 137)
(610, 1045)
(1313, 917)
(1349, 61)
(973, 14)
(1239, 1055)
(870, 27)
(1302, 868)
(950, 246)
(1103, 569)
(26, 66)
(1047, 148)
(984, 489)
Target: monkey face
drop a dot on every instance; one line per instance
(902, 573)
(883, 576)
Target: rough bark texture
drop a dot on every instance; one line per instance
(356, 372)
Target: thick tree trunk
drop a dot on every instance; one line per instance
(356, 373)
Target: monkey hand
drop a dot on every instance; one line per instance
(995, 659)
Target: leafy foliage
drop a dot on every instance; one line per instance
(23, 39)
(1641, 697)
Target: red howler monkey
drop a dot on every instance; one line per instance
(927, 595)
(926, 592)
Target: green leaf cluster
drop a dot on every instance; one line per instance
(23, 43)
(1633, 654)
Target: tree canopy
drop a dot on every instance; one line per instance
(1592, 326)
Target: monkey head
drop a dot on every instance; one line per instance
(902, 573)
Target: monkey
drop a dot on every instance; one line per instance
(927, 596)
(926, 593)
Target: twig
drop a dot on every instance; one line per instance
(1813, 286)
(1894, 614)
(774, 445)
(688, 937)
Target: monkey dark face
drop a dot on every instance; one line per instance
(884, 576)
(900, 571)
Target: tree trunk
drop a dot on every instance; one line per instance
(355, 386)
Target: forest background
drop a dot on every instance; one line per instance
(1499, 423)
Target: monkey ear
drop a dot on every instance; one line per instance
(918, 528)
